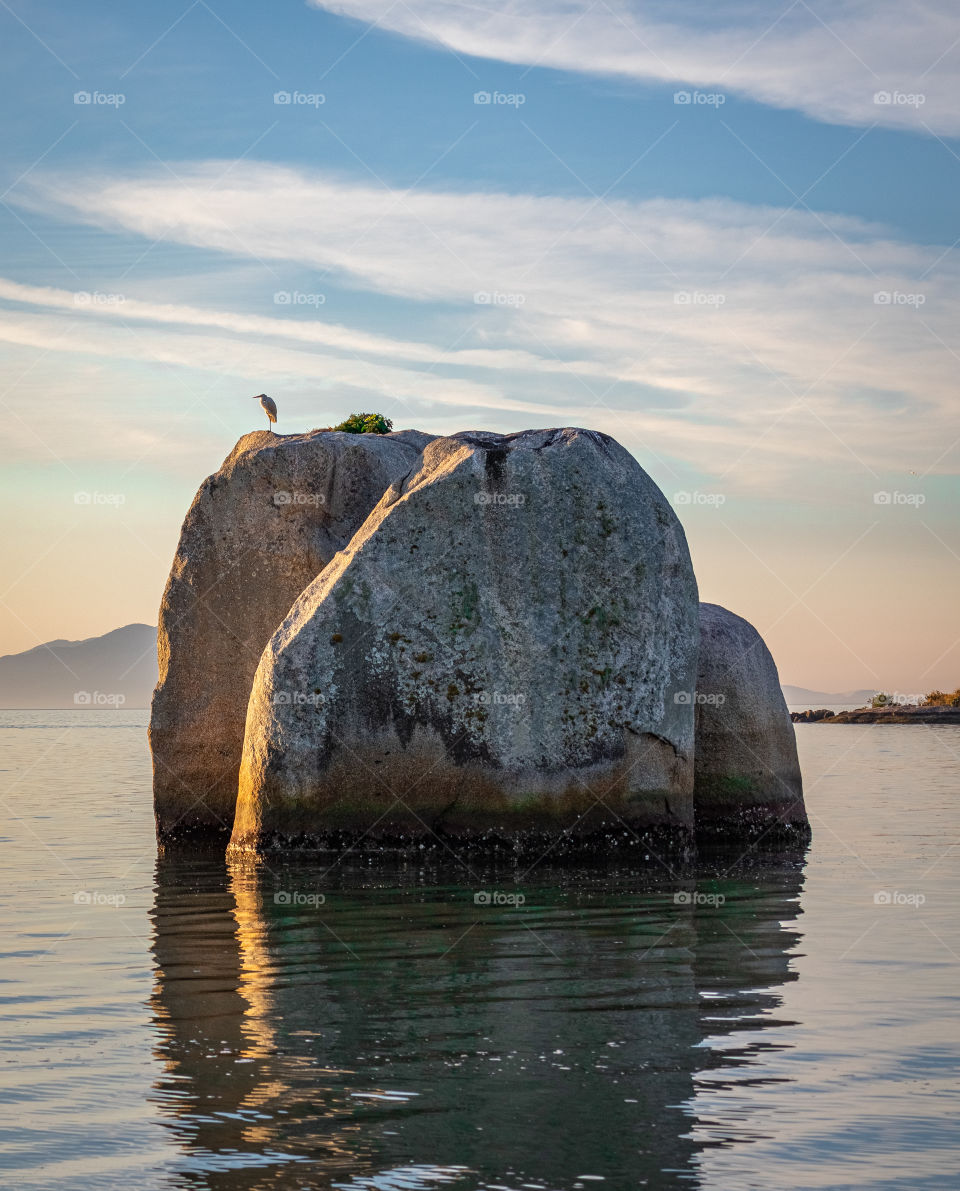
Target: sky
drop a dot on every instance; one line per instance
(725, 233)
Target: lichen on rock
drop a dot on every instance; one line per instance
(497, 652)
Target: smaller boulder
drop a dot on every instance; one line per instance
(746, 774)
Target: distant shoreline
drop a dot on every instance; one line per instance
(891, 714)
(75, 707)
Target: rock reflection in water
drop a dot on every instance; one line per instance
(398, 1031)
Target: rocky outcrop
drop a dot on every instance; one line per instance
(496, 655)
(896, 713)
(747, 776)
(258, 532)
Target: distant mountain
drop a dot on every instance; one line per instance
(118, 669)
(799, 696)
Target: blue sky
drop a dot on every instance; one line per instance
(754, 290)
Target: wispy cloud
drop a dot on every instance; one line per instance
(829, 61)
(709, 328)
(220, 355)
(314, 332)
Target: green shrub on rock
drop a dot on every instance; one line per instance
(366, 424)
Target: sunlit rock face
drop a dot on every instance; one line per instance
(747, 776)
(496, 655)
(258, 532)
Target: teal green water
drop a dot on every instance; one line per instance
(738, 1025)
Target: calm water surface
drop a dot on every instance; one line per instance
(185, 1024)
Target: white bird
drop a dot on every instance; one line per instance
(269, 407)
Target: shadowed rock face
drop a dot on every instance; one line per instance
(495, 654)
(258, 531)
(747, 776)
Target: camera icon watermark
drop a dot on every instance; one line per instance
(302, 99)
(286, 297)
(85, 298)
(297, 699)
(696, 297)
(910, 99)
(898, 699)
(699, 698)
(707, 99)
(109, 99)
(496, 897)
(314, 499)
(98, 699)
(500, 698)
(496, 298)
(295, 897)
(887, 297)
(502, 500)
(913, 499)
(689, 897)
(710, 499)
(99, 498)
(84, 897)
(499, 99)
(884, 897)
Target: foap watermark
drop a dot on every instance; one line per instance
(712, 499)
(703, 698)
(500, 698)
(496, 897)
(294, 297)
(314, 499)
(94, 897)
(99, 498)
(899, 99)
(503, 500)
(696, 297)
(692, 897)
(296, 897)
(898, 699)
(299, 99)
(297, 699)
(886, 897)
(699, 99)
(916, 499)
(895, 297)
(496, 298)
(98, 699)
(99, 99)
(96, 298)
(499, 99)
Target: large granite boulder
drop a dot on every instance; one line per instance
(259, 530)
(496, 654)
(747, 777)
